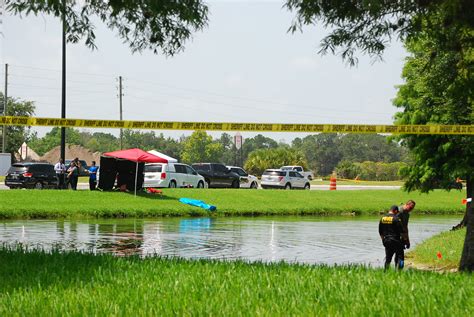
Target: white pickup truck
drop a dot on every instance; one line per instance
(309, 175)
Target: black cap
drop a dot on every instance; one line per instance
(394, 208)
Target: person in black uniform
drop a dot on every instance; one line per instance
(391, 231)
(404, 215)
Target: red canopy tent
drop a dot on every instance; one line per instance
(137, 156)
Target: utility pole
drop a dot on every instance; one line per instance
(121, 115)
(63, 94)
(5, 102)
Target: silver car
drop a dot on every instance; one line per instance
(277, 178)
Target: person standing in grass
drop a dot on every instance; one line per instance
(60, 170)
(93, 176)
(404, 215)
(391, 230)
(73, 175)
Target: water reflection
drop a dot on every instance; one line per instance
(292, 239)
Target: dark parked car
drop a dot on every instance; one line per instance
(217, 175)
(31, 175)
(84, 167)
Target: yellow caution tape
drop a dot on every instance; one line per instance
(233, 126)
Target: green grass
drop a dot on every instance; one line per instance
(75, 284)
(449, 244)
(54, 203)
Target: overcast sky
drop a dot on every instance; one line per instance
(244, 67)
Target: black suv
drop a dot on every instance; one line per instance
(31, 175)
(217, 175)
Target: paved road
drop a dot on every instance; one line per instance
(84, 186)
(354, 187)
(79, 186)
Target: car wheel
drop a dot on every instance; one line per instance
(235, 184)
(200, 185)
(288, 186)
(254, 185)
(172, 184)
(38, 185)
(307, 186)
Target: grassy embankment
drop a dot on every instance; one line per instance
(449, 245)
(54, 203)
(86, 285)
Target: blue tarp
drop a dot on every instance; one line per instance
(197, 203)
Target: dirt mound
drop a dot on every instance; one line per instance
(72, 151)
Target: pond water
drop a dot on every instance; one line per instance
(328, 240)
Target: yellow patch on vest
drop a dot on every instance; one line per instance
(387, 220)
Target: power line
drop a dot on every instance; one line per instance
(51, 88)
(69, 71)
(253, 108)
(213, 93)
(173, 108)
(76, 91)
(57, 79)
(251, 99)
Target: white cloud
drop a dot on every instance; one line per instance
(234, 80)
(304, 63)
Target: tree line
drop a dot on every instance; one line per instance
(322, 153)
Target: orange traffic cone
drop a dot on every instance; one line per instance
(332, 182)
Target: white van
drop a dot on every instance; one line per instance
(173, 175)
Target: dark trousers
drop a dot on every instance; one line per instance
(92, 184)
(61, 180)
(73, 182)
(394, 247)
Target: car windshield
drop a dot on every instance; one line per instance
(274, 173)
(286, 168)
(153, 168)
(17, 168)
(239, 171)
(201, 167)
